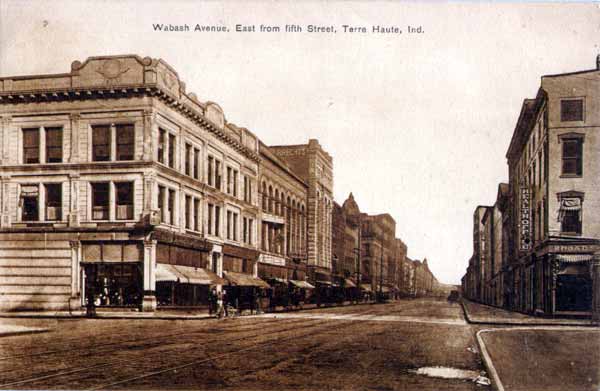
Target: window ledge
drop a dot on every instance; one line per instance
(571, 176)
(570, 234)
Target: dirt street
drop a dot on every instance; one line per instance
(356, 347)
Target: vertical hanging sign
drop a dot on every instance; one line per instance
(524, 221)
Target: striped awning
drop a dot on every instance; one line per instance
(574, 258)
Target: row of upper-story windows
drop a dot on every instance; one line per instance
(192, 212)
(44, 202)
(116, 142)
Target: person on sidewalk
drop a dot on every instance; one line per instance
(212, 301)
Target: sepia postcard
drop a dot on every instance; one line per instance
(310, 195)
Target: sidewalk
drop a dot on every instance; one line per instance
(542, 358)
(166, 314)
(7, 330)
(483, 314)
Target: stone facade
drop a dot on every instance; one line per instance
(111, 171)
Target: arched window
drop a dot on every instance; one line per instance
(270, 199)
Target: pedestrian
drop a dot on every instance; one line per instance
(212, 301)
(225, 302)
(220, 309)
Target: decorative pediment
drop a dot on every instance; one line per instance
(214, 114)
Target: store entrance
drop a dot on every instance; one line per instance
(113, 284)
(573, 292)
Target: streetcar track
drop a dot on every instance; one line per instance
(120, 361)
(301, 324)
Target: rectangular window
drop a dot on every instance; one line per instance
(210, 171)
(244, 230)
(188, 158)
(229, 179)
(161, 199)
(124, 200)
(228, 225)
(540, 167)
(217, 174)
(54, 145)
(572, 162)
(571, 110)
(188, 212)
(125, 141)
(196, 214)
(235, 185)
(100, 143)
(246, 188)
(171, 207)
(250, 224)
(571, 222)
(31, 146)
(29, 203)
(171, 151)
(162, 146)
(100, 201)
(53, 201)
(196, 163)
(210, 218)
(235, 226)
(217, 221)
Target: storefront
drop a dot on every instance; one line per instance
(182, 275)
(112, 273)
(244, 291)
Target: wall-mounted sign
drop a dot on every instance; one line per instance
(524, 220)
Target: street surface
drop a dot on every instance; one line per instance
(383, 347)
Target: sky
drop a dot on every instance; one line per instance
(418, 124)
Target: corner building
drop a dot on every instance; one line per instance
(119, 186)
(554, 166)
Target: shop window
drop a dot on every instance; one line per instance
(100, 201)
(31, 146)
(53, 201)
(54, 145)
(572, 159)
(571, 110)
(101, 143)
(124, 200)
(125, 141)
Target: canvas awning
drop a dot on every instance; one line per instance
(568, 204)
(302, 284)
(574, 258)
(349, 283)
(385, 289)
(366, 288)
(242, 279)
(279, 280)
(187, 275)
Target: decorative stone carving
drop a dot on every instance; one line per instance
(112, 69)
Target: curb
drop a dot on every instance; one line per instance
(24, 332)
(520, 323)
(487, 361)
